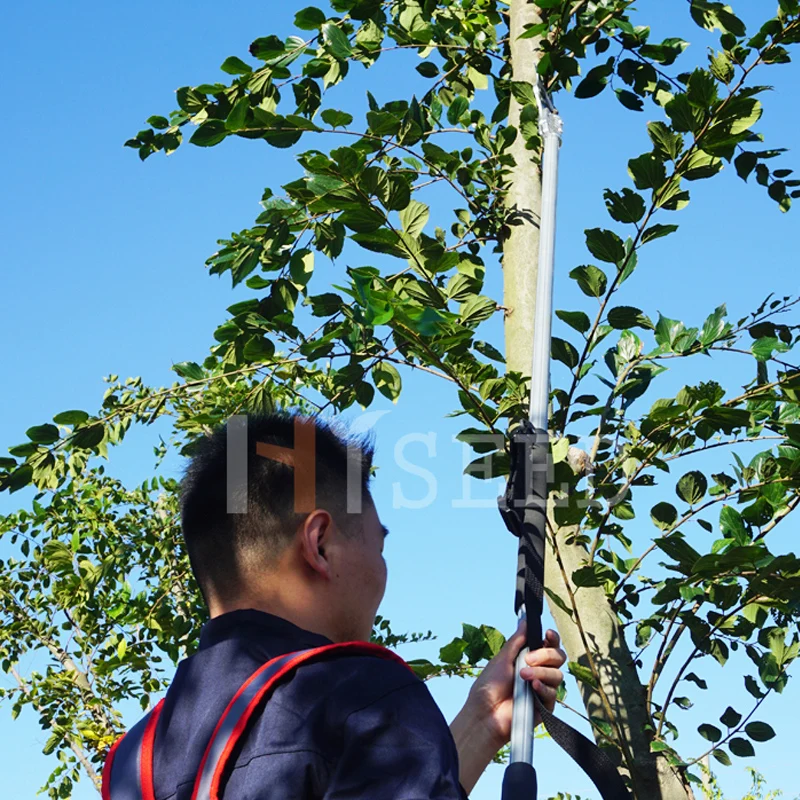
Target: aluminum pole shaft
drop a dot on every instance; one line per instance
(550, 127)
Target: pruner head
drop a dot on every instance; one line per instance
(543, 99)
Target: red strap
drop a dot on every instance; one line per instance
(133, 776)
(212, 771)
(105, 792)
(148, 788)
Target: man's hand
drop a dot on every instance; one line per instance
(483, 726)
(492, 694)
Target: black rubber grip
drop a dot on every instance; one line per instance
(519, 782)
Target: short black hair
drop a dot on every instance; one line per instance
(220, 544)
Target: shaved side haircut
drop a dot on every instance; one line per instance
(222, 546)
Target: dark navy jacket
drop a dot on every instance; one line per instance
(350, 728)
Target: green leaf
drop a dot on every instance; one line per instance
(581, 673)
(414, 217)
(752, 686)
(18, 479)
(237, 119)
(362, 219)
(189, 370)
(701, 89)
(722, 757)
(494, 639)
(730, 718)
(701, 165)
(697, 680)
(484, 348)
(764, 348)
(387, 380)
(381, 241)
(159, 123)
(759, 731)
(235, 66)
(710, 732)
(347, 160)
(665, 53)
(577, 320)
(451, 653)
(43, 434)
(732, 525)
(309, 19)
(667, 143)
(427, 69)
(714, 15)
(721, 67)
(532, 31)
(337, 41)
(595, 81)
(87, 438)
(745, 163)
(523, 93)
(591, 280)
(258, 349)
(675, 546)
(692, 487)
(623, 317)
(667, 331)
(559, 450)
(630, 100)
(647, 171)
(684, 115)
(592, 575)
(627, 206)
(422, 668)
(605, 245)
(325, 305)
(741, 747)
(457, 109)
(70, 418)
(715, 327)
(742, 114)
(336, 119)
(644, 633)
(657, 232)
(209, 133)
(301, 267)
(563, 351)
(664, 515)
(267, 48)
(476, 309)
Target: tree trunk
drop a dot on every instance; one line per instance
(524, 201)
(593, 636)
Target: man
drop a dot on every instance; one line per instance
(299, 567)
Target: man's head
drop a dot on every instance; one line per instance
(298, 548)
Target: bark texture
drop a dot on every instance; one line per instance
(524, 201)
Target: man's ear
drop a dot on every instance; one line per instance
(315, 534)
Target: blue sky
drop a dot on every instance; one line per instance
(104, 273)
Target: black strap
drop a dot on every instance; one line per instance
(523, 508)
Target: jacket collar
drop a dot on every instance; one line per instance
(251, 623)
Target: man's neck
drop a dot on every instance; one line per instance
(308, 618)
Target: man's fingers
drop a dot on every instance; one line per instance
(546, 656)
(547, 694)
(549, 676)
(552, 639)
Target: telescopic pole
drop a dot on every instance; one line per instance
(520, 779)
